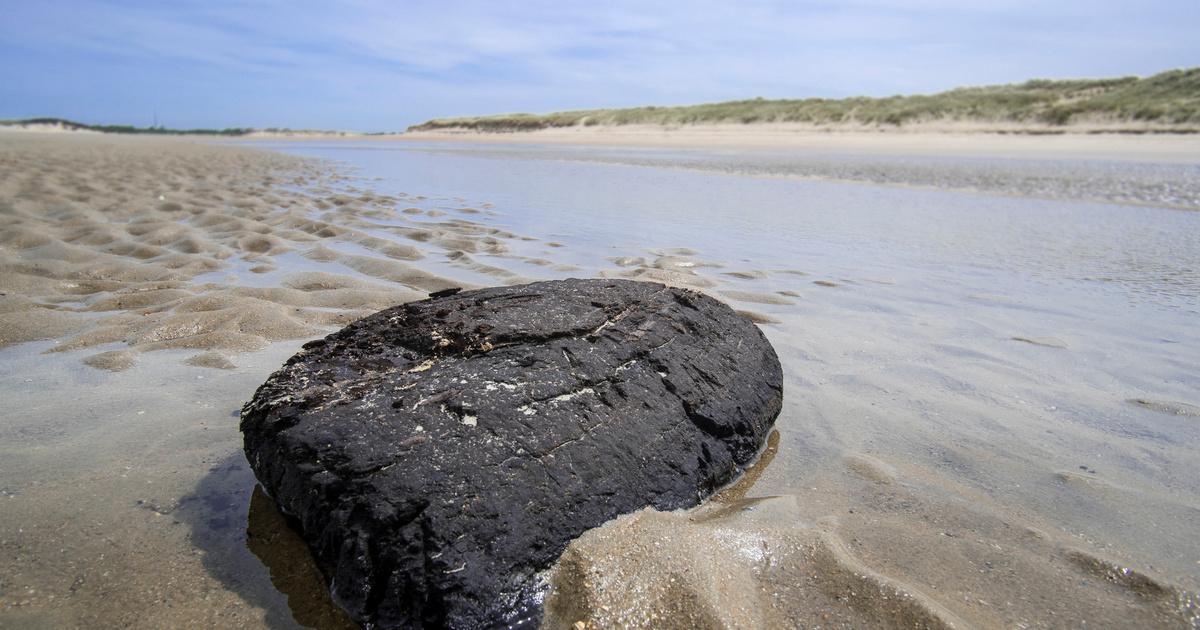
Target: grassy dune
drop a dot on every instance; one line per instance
(127, 129)
(1169, 101)
(228, 133)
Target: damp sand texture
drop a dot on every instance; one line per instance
(994, 432)
(147, 286)
(155, 245)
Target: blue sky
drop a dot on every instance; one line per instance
(371, 65)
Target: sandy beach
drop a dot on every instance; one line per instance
(961, 444)
(147, 286)
(945, 140)
(161, 244)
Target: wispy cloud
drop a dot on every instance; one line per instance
(373, 64)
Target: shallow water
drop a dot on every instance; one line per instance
(953, 357)
(605, 200)
(957, 422)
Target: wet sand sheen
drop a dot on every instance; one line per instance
(185, 273)
(891, 496)
(113, 241)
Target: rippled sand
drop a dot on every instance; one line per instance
(164, 245)
(129, 268)
(934, 467)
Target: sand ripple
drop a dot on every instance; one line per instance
(157, 244)
(123, 245)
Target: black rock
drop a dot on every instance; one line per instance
(440, 455)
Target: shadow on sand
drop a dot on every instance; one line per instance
(250, 548)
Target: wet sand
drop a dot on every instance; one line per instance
(147, 287)
(1149, 169)
(945, 458)
(159, 244)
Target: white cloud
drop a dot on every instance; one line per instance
(422, 58)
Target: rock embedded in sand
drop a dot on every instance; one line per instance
(441, 454)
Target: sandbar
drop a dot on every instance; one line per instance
(947, 140)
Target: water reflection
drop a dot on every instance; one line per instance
(294, 572)
(249, 547)
(1065, 240)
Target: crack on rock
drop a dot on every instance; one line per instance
(586, 432)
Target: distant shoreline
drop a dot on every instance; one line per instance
(969, 140)
(916, 140)
(59, 126)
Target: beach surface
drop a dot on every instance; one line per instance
(990, 420)
(944, 140)
(147, 286)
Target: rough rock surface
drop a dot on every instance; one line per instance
(440, 455)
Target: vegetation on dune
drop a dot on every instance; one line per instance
(70, 124)
(1168, 99)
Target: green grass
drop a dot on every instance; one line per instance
(1170, 99)
(69, 124)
